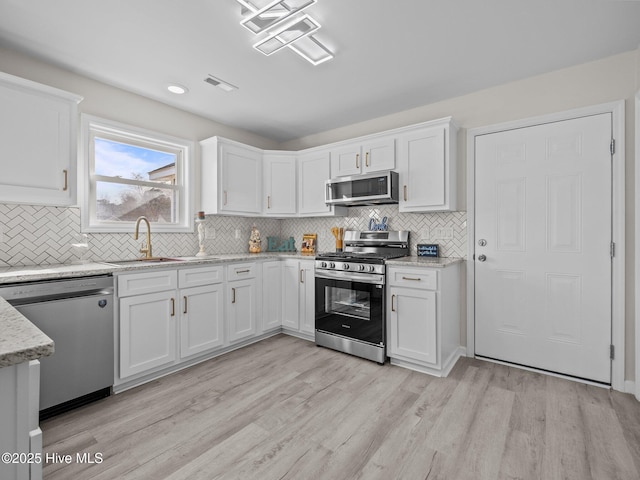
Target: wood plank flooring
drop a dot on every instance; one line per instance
(286, 409)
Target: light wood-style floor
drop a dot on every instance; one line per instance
(286, 409)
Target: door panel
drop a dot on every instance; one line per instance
(543, 207)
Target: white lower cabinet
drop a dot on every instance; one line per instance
(271, 295)
(147, 332)
(166, 316)
(201, 310)
(298, 297)
(20, 433)
(423, 329)
(242, 302)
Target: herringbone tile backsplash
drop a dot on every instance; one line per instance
(39, 235)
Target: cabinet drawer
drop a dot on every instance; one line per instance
(414, 278)
(195, 277)
(241, 271)
(147, 282)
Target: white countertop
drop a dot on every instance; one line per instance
(414, 261)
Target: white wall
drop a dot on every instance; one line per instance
(612, 78)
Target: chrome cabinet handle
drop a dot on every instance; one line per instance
(243, 271)
(357, 158)
(66, 180)
(405, 193)
(268, 201)
(392, 307)
(412, 279)
(233, 295)
(301, 277)
(366, 160)
(185, 304)
(173, 307)
(482, 258)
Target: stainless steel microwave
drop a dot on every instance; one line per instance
(369, 189)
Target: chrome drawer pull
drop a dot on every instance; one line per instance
(412, 279)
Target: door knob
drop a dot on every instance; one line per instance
(482, 258)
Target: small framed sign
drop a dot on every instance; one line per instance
(427, 250)
(308, 246)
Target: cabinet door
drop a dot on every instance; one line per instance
(412, 322)
(271, 295)
(290, 294)
(242, 313)
(346, 160)
(314, 169)
(241, 181)
(279, 185)
(307, 297)
(426, 176)
(147, 332)
(201, 319)
(38, 138)
(379, 155)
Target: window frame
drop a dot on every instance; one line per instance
(92, 126)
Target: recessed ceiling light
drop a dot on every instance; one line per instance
(177, 89)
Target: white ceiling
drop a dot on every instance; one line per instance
(390, 55)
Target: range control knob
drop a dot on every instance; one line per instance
(345, 266)
(360, 268)
(371, 268)
(332, 265)
(323, 264)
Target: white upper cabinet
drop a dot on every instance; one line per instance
(279, 184)
(427, 167)
(373, 155)
(38, 130)
(231, 178)
(314, 169)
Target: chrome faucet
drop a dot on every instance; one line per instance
(145, 249)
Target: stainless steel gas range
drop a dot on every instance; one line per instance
(350, 293)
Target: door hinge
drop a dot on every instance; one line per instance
(612, 249)
(612, 146)
(612, 352)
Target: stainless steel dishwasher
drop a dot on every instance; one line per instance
(77, 314)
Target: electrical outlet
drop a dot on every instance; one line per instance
(209, 233)
(447, 233)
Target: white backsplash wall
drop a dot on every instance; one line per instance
(38, 235)
(423, 227)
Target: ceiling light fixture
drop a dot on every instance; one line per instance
(216, 82)
(177, 89)
(271, 15)
(285, 27)
(287, 34)
(311, 50)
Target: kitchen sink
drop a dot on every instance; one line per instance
(143, 261)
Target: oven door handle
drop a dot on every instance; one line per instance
(352, 277)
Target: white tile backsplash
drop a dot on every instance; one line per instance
(40, 235)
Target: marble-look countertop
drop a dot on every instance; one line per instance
(20, 340)
(37, 273)
(414, 261)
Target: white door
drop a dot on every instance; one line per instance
(542, 252)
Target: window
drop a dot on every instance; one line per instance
(127, 172)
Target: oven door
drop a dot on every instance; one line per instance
(350, 308)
